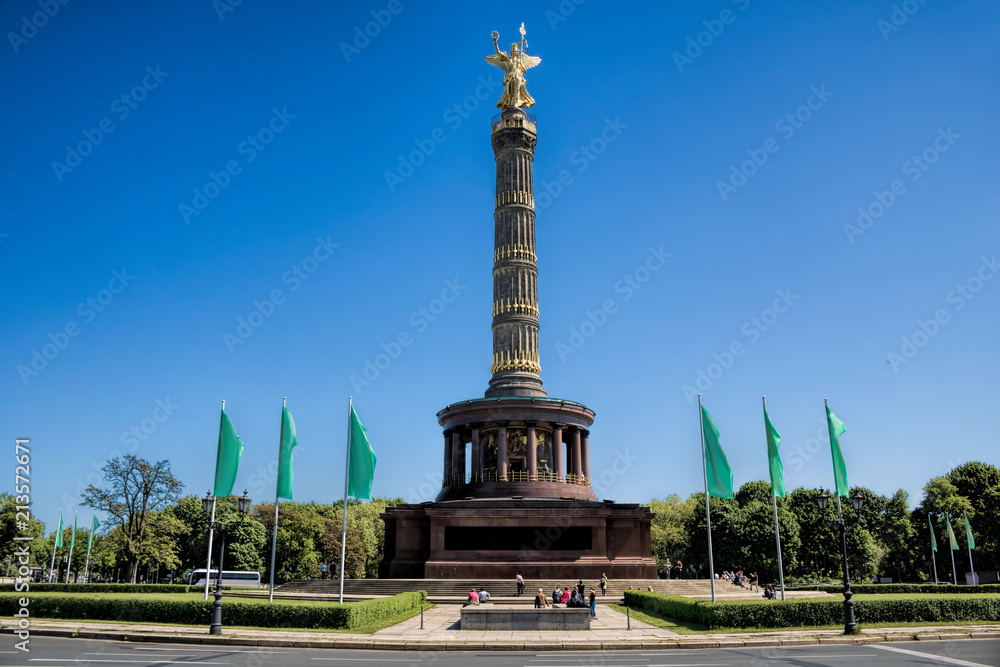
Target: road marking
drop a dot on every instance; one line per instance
(222, 648)
(929, 656)
(374, 659)
(131, 662)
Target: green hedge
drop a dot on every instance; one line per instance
(198, 612)
(107, 588)
(881, 589)
(816, 611)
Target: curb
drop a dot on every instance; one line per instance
(431, 645)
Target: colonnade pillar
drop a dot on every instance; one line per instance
(477, 455)
(574, 436)
(502, 451)
(447, 459)
(532, 451)
(557, 457)
(458, 456)
(585, 446)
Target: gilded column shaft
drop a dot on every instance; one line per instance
(515, 365)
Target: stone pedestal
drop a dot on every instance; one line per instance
(498, 538)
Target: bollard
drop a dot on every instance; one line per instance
(628, 619)
(421, 615)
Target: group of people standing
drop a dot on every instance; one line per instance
(676, 570)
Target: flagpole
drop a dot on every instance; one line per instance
(274, 537)
(951, 540)
(972, 568)
(86, 565)
(90, 543)
(708, 514)
(347, 474)
(211, 531)
(54, 541)
(72, 543)
(774, 502)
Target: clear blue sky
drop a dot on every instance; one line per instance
(168, 166)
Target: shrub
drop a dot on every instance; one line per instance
(815, 611)
(198, 612)
(861, 589)
(105, 588)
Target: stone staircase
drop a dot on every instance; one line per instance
(455, 590)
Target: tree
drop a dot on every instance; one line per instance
(668, 534)
(980, 484)
(354, 556)
(299, 529)
(10, 549)
(899, 539)
(137, 490)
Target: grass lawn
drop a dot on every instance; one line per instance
(688, 628)
(187, 597)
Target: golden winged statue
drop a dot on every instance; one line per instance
(514, 64)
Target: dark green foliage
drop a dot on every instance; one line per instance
(198, 612)
(106, 588)
(906, 588)
(808, 612)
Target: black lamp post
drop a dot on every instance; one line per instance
(857, 501)
(206, 503)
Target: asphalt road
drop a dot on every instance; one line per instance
(60, 651)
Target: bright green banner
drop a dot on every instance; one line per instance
(776, 468)
(59, 533)
(717, 470)
(95, 524)
(930, 527)
(227, 459)
(838, 429)
(288, 442)
(971, 541)
(362, 461)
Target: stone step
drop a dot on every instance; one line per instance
(451, 588)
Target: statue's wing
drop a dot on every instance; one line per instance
(527, 62)
(496, 59)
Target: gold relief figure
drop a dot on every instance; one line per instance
(514, 64)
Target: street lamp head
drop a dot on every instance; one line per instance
(244, 503)
(206, 502)
(822, 499)
(857, 501)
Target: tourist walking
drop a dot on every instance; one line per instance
(519, 580)
(604, 585)
(581, 588)
(593, 604)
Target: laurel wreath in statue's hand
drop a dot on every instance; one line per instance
(495, 35)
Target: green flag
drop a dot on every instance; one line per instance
(227, 458)
(58, 544)
(72, 536)
(971, 541)
(95, 524)
(717, 470)
(930, 526)
(777, 469)
(362, 464)
(838, 429)
(288, 442)
(951, 535)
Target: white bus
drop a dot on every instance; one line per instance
(229, 578)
